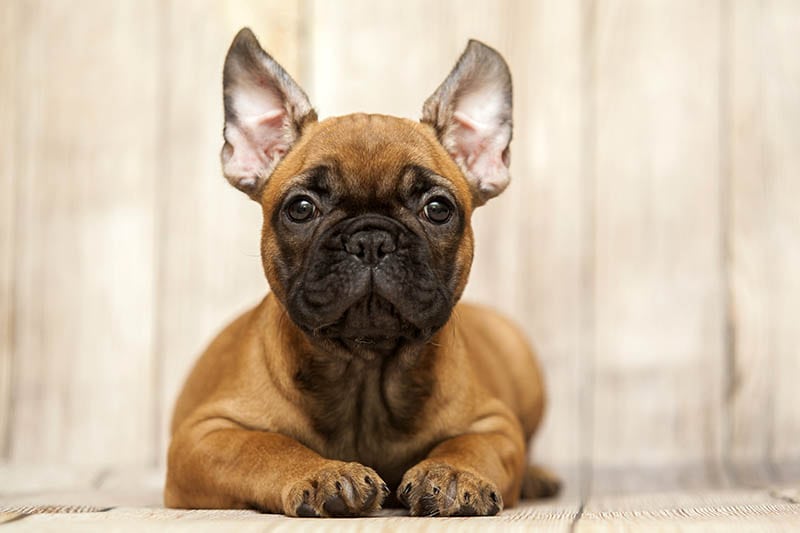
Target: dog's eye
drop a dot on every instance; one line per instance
(301, 210)
(438, 211)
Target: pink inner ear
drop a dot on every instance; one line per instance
(470, 137)
(253, 147)
(479, 148)
(266, 132)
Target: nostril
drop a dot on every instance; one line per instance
(370, 246)
(386, 247)
(354, 245)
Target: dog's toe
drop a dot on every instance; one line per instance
(336, 490)
(442, 490)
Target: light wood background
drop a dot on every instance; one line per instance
(649, 243)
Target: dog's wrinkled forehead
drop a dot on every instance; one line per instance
(370, 158)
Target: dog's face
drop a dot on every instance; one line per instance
(366, 237)
(364, 232)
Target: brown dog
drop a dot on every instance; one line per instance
(359, 373)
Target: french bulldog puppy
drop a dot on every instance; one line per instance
(359, 380)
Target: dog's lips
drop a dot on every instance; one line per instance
(370, 293)
(369, 320)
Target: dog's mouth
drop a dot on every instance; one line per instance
(371, 322)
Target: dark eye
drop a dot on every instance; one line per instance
(301, 210)
(438, 211)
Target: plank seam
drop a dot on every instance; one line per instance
(573, 526)
(769, 460)
(14, 267)
(725, 176)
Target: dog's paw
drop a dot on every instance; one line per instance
(337, 489)
(437, 489)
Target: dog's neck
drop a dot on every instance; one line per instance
(360, 391)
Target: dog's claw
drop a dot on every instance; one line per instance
(304, 510)
(371, 498)
(467, 510)
(403, 496)
(336, 506)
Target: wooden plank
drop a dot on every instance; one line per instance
(529, 247)
(208, 241)
(532, 242)
(529, 517)
(671, 477)
(362, 57)
(750, 394)
(26, 487)
(723, 511)
(9, 16)
(782, 127)
(765, 231)
(22, 479)
(658, 354)
(87, 165)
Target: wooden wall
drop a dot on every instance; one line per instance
(649, 243)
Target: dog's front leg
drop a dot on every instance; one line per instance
(471, 474)
(232, 467)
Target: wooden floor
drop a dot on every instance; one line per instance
(58, 499)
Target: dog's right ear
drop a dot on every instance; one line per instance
(265, 113)
(471, 114)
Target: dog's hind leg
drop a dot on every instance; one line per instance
(538, 482)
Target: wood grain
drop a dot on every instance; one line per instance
(723, 511)
(534, 518)
(765, 231)
(9, 17)
(208, 241)
(659, 355)
(86, 171)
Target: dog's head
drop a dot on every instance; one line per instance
(366, 238)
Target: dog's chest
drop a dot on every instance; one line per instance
(368, 411)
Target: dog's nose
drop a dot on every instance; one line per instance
(370, 245)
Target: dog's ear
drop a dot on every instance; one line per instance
(265, 112)
(471, 113)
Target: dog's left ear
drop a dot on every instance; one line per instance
(265, 112)
(471, 113)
